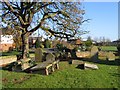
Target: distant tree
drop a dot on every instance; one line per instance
(118, 47)
(108, 40)
(16, 36)
(88, 43)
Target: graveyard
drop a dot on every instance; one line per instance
(43, 46)
(81, 72)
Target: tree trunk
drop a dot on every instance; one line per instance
(25, 45)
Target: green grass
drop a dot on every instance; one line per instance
(12, 54)
(109, 48)
(68, 76)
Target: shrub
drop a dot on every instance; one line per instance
(60, 47)
(88, 43)
(73, 54)
(37, 43)
(118, 47)
(48, 43)
(76, 49)
(41, 46)
(88, 48)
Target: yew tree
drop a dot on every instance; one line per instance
(60, 19)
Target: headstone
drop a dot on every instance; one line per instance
(76, 62)
(25, 63)
(50, 57)
(102, 53)
(94, 53)
(90, 66)
(94, 50)
(110, 56)
(38, 55)
(82, 54)
(79, 54)
(25, 66)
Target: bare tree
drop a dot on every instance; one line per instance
(61, 19)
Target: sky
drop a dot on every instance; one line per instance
(104, 19)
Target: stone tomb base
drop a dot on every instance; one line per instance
(87, 66)
(83, 65)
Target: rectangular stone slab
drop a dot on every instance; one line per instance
(43, 65)
(76, 62)
(90, 66)
(46, 65)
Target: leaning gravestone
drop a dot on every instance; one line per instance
(38, 55)
(94, 53)
(50, 57)
(110, 56)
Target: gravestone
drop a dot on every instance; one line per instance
(84, 65)
(38, 55)
(50, 57)
(110, 56)
(76, 62)
(90, 66)
(94, 53)
(83, 54)
(25, 63)
(94, 50)
(102, 53)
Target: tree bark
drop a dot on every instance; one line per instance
(25, 46)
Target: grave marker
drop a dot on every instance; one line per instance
(94, 53)
(25, 63)
(38, 55)
(94, 50)
(110, 56)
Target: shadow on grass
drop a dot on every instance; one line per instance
(115, 74)
(8, 67)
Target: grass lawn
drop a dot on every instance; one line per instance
(109, 48)
(10, 53)
(68, 76)
(13, 54)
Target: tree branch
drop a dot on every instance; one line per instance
(53, 32)
(14, 12)
(45, 16)
(40, 7)
(85, 20)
